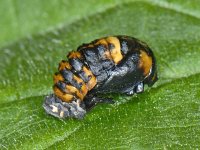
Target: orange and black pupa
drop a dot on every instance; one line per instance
(114, 64)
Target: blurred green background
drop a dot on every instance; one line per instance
(36, 35)
(20, 18)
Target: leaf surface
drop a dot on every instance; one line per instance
(166, 116)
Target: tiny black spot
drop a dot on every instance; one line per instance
(89, 77)
(111, 46)
(56, 73)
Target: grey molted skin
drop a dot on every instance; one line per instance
(54, 106)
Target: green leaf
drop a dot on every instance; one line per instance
(166, 116)
(24, 17)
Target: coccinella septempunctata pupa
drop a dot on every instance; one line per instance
(114, 64)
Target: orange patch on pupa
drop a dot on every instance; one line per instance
(66, 97)
(74, 54)
(107, 53)
(90, 45)
(72, 90)
(93, 81)
(102, 42)
(57, 78)
(145, 62)
(84, 88)
(86, 46)
(63, 65)
(78, 79)
(116, 51)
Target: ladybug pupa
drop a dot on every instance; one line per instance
(114, 64)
